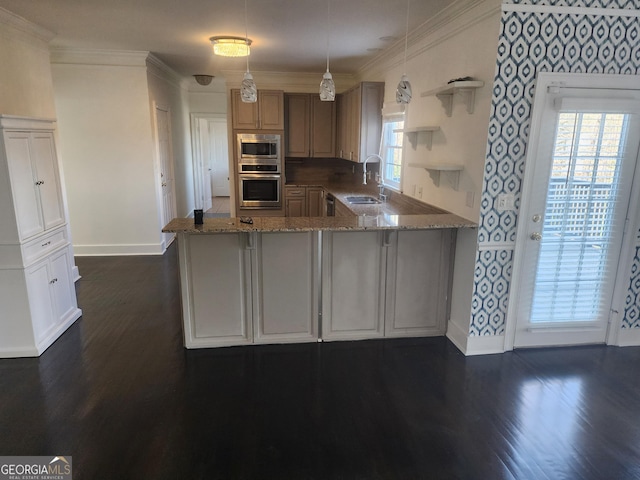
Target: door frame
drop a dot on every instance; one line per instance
(544, 82)
(165, 239)
(197, 150)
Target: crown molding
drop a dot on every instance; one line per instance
(163, 71)
(21, 29)
(87, 56)
(469, 12)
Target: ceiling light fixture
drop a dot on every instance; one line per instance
(327, 87)
(203, 79)
(403, 91)
(231, 46)
(248, 89)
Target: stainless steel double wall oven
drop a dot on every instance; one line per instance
(259, 170)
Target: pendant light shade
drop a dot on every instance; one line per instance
(403, 91)
(327, 87)
(248, 89)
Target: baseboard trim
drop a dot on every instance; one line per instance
(75, 273)
(458, 336)
(470, 345)
(20, 352)
(117, 250)
(629, 337)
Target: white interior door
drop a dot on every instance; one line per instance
(576, 206)
(218, 157)
(163, 135)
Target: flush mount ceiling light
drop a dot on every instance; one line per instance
(231, 46)
(403, 91)
(327, 87)
(203, 79)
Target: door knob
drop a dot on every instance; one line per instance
(536, 236)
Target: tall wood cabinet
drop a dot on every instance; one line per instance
(310, 126)
(360, 121)
(37, 296)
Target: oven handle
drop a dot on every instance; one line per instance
(255, 176)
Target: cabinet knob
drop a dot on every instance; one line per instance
(53, 281)
(164, 184)
(536, 236)
(46, 243)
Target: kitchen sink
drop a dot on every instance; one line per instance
(366, 200)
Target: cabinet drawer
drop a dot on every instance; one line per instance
(295, 192)
(41, 246)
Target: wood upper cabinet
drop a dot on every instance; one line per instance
(265, 114)
(323, 128)
(310, 126)
(360, 121)
(297, 116)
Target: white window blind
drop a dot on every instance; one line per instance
(583, 218)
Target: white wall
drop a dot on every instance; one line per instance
(26, 87)
(166, 90)
(107, 151)
(464, 46)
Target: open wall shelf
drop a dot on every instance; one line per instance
(451, 172)
(412, 135)
(467, 89)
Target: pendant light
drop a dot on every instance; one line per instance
(327, 87)
(403, 91)
(248, 89)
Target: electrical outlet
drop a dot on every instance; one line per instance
(420, 192)
(470, 199)
(506, 202)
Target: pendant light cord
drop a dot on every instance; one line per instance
(328, 28)
(246, 31)
(406, 36)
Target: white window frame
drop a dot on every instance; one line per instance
(388, 119)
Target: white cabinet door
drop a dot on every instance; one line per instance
(23, 180)
(62, 286)
(219, 308)
(418, 279)
(46, 168)
(40, 301)
(285, 306)
(35, 181)
(353, 279)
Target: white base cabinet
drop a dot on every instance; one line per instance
(37, 292)
(242, 288)
(278, 287)
(386, 283)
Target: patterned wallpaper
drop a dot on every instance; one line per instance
(531, 42)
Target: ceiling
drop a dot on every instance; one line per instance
(288, 35)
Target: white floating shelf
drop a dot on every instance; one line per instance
(450, 170)
(412, 134)
(445, 94)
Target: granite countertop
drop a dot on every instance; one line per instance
(397, 204)
(400, 213)
(309, 224)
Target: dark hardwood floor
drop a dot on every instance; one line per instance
(121, 395)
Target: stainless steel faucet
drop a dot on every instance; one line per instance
(364, 166)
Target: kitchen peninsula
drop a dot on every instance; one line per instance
(305, 279)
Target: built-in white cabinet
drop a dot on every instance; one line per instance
(242, 288)
(37, 294)
(277, 287)
(386, 283)
(353, 282)
(419, 265)
(35, 182)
